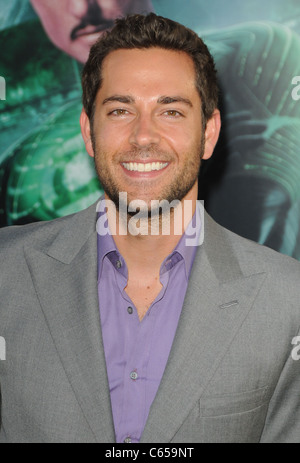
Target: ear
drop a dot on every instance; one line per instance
(86, 133)
(212, 131)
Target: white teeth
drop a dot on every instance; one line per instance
(141, 167)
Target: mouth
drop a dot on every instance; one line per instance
(82, 30)
(144, 167)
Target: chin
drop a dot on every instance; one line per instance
(78, 52)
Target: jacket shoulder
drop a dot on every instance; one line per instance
(39, 234)
(254, 257)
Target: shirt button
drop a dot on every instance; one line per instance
(133, 375)
(118, 264)
(127, 440)
(130, 310)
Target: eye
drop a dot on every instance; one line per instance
(173, 113)
(118, 112)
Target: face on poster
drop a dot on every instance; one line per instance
(75, 25)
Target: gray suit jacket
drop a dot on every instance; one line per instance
(231, 376)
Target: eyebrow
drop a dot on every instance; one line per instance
(174, 99)
(119, 98)
(127, 99)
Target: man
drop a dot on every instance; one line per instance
(139, 337)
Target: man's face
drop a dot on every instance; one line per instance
(75, 25)
(147, 130)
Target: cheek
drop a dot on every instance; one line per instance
(183, 138)
(58, 32)
(110, 136)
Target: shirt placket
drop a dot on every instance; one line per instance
(135, 374)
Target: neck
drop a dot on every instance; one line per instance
(145, 243)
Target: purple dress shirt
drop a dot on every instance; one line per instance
(137, 352)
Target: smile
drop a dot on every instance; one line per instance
(144, 167)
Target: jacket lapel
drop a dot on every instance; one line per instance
(218, 299)
(65, 280)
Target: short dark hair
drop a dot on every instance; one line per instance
(139, 31)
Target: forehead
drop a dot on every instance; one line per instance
(148, 69)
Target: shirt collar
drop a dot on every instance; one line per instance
(183, 249)
(107, 247)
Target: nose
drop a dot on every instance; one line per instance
(78, 8)
(144, 132)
